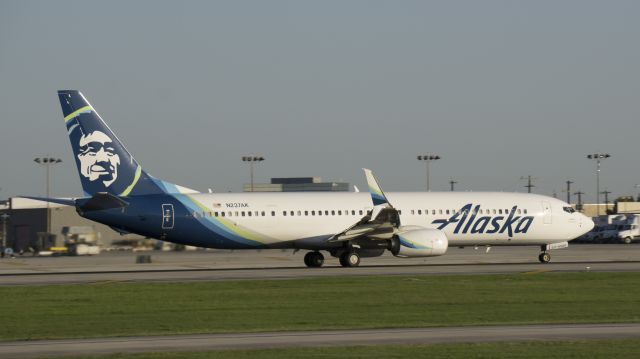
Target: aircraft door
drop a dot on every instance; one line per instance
(167, 216)
(546, 210)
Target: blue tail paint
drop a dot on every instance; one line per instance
(104, 164)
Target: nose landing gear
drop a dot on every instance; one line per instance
(544, 257)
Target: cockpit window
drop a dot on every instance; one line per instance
(568, 209)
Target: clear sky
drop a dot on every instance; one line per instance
(498, 89)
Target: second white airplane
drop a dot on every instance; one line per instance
(348, 226)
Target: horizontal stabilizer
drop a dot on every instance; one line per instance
(101, 201)
(64, 201)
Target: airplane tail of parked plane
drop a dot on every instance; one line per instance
(104, 164)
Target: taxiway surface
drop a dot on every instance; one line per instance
(277, 264)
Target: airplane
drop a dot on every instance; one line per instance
(347, 225)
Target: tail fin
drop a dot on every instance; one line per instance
(104, 164)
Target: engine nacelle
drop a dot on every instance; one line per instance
(415, 241)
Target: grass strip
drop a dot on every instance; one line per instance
(131, 309)
(594, 349)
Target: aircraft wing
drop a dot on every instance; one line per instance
(378, 224)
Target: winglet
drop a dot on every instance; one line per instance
(377, 196)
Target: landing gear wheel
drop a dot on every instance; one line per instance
(349, 259)
(314, 259)
(544, 257)
(627, 240)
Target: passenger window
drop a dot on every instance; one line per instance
(519, 211)
(291, 213)
(499, 211)
(353, 213)
(525, 211)
(215, 214)
(249, 213)
(447, 211)
(306, 213)
(419, 211)
(413, 212)
(242, 213)
(339, 213)
(333, 213)
(299, 213)
(284, 213)
(273, 213)
(236, 214)
(222, 214)
(262, 213)
(230, 214)
(313, 213)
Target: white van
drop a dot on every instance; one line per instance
(629, 233)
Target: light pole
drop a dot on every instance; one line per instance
(606, 200)
(598, 157)
(529, 184)
(569, 191)
(47, 162)
(252, 159)
(453, 184)
(427, 159)
(579, 204)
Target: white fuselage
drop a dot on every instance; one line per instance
(307, 220)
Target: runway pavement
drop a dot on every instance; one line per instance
(277, 264)
(31, 349)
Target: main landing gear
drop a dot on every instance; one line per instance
(544, 257)
(314, 259)
(349, 259)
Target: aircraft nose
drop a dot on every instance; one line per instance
(587, 223)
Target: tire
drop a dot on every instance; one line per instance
(353, 259)
(627, 240)
(307, 259)
(544, 257)
(316, 260)
(343, 260)
(350, 259)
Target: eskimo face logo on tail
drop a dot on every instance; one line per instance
(98, 159)
(473, 222)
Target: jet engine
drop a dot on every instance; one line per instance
(416, 241)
